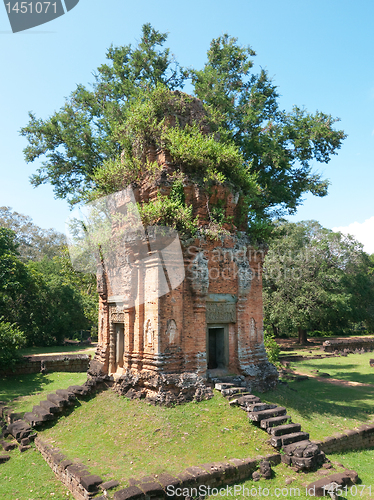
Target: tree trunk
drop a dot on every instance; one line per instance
(302, 336)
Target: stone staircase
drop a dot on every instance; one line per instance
(287, 437)
(21, 431)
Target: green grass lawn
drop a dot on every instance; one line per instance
(22, 392)
(58, 349)
(323, 408)
(277, 487)
(26, 476)
(118, 438)
(354, 367)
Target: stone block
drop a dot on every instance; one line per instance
(259, 407)
(44, 414)
(280, 430)
(78, 470)
(4, 458)
(19, 429)
(50, 407)
(130, 493)
(79, 390)
(266, 414)
(231, 391)
(8, 446)
(319, 487)
(57, 400)
(187, 480)
(24, 448)
(66, 394)
(274, 458)
(286, 439)
(34, 420)
(152, 490)
(220, 386)
(166, 479)
(274, 421)
(91, 482)
(108, 485)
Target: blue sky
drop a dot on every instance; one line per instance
(319, 54)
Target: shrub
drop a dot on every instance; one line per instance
(11, 339)
(271, 347)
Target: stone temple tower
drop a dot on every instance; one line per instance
(175, 307)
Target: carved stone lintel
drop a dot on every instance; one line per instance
(221, 312)
(116, 314)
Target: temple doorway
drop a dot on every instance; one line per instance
(120, 341)
(217, 352)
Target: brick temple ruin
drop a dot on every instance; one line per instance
(208, 320)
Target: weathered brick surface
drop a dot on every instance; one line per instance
(222, 286)
(363, 437)
(53, 363)
(75, 476)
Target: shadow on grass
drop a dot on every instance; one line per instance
(312, 397)
(16, 386)
(346, 372)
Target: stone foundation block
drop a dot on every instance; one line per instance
(130, 493)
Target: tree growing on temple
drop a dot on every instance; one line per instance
(275, 148)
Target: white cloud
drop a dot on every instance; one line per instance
(363, 232)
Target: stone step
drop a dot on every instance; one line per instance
(79, 390)
(260, 407)
(302, 449)
(33, 419)
(244, 400)
(280, 430)
(19, 429)
(66, 394)
(257, 416)
(274, 421)
(304, 463)
(231, 391)
(42, 413)
(8, 445)
(280, 441)
(49, 406)
(4, 458)
(58, 400)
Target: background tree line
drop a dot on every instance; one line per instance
(316, 280)
(42, 298)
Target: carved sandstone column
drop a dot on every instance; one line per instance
(112, 347)
(244, 286)
(199, 278)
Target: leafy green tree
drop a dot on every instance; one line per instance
(315, 279)
(11, 339)
(59, 307)
(45, 299)
(276, 147)
(34, 243)
(83, 133)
